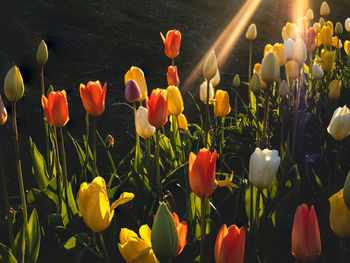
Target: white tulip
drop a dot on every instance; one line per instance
(203, 92)
(289, 47)
(317, 71)
(210, 66)
(263, 167)
(284, 89)
(347, 24)
(299, 52)
(269, 70)
(339, 126)
(216, 80)
(143, 127)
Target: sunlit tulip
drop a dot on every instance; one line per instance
(280, 53)
(326, 36)
(143, 127)
(216, 80)
(330, 25)
(135, 249)
(338, 28)
(321, 22)
(201, 170)
(290, 30)
(339, 126)
(324, 9)
(317, 27)
(255, 83)
(292, 69)
(347, 47)
(172, 76)
(93, 97)
(334, 90)
(306, 241)
(13, 85)
(347, 191)
(347, 24)
(269, 67)
(309, 39)
(182, 234)
(56, 108)
(327, 60)
(257, 67)
(230, 244)
(222, 103)
(284, 89)
(310, 14)
(303, 24)
(289, 47)
(172, 43)
(3, 112)
(316, 71)
(236, 81)
(318, 40)
(42, 53)
(94, 205)
(132, 91)
(203, 92)
(210, 66)
(182, 122)
(164, 235)
(263, 167)
(175, 102)
(339, 215)
(299, 52)
(337, 43)
(136, 74)
(251, 32)
(268, 48)
(158, 108)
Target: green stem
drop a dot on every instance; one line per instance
(64, 163)
(257, 220)
(58, 174)
(173, 61)
(104, 249)
(182, 146)
(296, 115)
(236, 106)
(257, 120)
(202, 230)
(137, 141)
(94, 147)
(250, 67)
(222, 135)
(158, 182)
(266, 116)
(206, 128)
(42, 80)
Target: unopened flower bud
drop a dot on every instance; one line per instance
(255, 83)
(216, 80)
(284, 89)
(14, 87)
(317, 27)
(347, 24)
(324, 10)
(321, 22)
(251, 32)
(316, 71)
(42, 53)
(338, 28)
(310, 14)
(334, 90)
(292, 69)
(268, 68)
(236, 81)
(210, 66)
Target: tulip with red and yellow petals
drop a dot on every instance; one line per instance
(56, 108)
(182, 234)
(93, 97)
(136, 74)
(158, 108)
(172, 76)
(172, 43)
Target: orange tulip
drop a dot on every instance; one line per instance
(56, 108)
(172, 43)
(182, 234)
(172, 77)
(202, 172)
(3, 112)
(93, 97)
(229, 245)
(306, 242)
(158, 108)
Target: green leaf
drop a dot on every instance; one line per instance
(34, 237)
(20, 244)
(6, 254)
(39, 166)
(167, 150)
(196, 215)
(250, 203)
(71, 206)
(51, 191)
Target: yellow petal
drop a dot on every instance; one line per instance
(124, 198)
(126, 234)
(132, 249)
(145, 234)
(136, 74)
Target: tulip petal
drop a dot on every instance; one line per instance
(222, 233)
(124, 198)
(145, 234)
(126, 234)
(182, 237)
(132, 249)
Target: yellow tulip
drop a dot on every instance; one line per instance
(337, 43)
(290, 30)
(326, 36)
(317, 27)
(222, 103)
(318, 40)
(279, 51)
(136, 74)
(42, 53)
(135, 249)
(321, 21)
(268, 48)
(182, 122)
(251, 32)
(334, 90)
(257, 67)
(324, 9)
(339, 215)
(175, 102)
(292, 69)
(94, 205)
(327, 60)
(347, 47)
(330, 25)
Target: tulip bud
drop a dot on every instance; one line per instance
(216, 80)
(337, 43)
(347, 47)
(143, 127)
(299, 52)
(203, 92)
(338, 28)
(175, 102)
(280, 53)
(327, 60)
(14, 87)
(316, 71)
(324, 10)
(210, 66)
(222, 103)
(172, 76)
(334, 90)
(132, 91)
(268, 68)
(251, 32)
(164, 236)
(330, 25)
(268, 48)
(347, 191)
(339, 215)
(289, 47)
(255, 83)
(347, 24)
(284, 89)
(236, 81)
(3, 112)
(321, 22)
(339, 126)
(326, 36)
(317, 27)
(158, 108)
(310, 14)
(292, 69)
(42, 54)
(182, 122)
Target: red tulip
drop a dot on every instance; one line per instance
(56, 108)
(306, 242)
(182, 234)
(93, 97)
(158, 108)
(309, 39)
(172, 43)
(229, 245)
(202, 172)
(172, 77)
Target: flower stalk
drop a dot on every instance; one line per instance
(266, 116)
(202, 230)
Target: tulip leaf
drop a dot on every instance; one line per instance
(6, 254)
(34, 237)
(250, 203)
(196, 215)
(20, 244)
(175, 136)
(71, 206)
(51, 191)
(39, 166)
(167, 150)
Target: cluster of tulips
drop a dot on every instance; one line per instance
(152, 173)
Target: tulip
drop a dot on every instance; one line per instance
(338, 28)
(289, 47)
(326, 36)
(290, 30)
(3, 112)
(317, 27)
(316, 71)
(327, 60)
(280, 53)
(182, 122)
(182, 234)
(347, 47)
(337, 43)
(318, 40)
(334, 90)
(236, 81)
(321, 21)
(330, 25)
(175, 102)
(13, 86)
(263, 167)
(172, 76)
(202, 172)
(222, 103)
(172, 43)
(203, 92)
(255, 83)
(56, 108)
(292, 69)
(143, 127)
(310, 14)
(229, 245)
(269, 67)
(268, 48)
(347, 24)
(164, 235)
(339, 215)
(136, 74)
(251, 32)
(347, 191)
(135, 249)
(306, 242)
(42, 53)
(216, 80)
(94, 206)
(324, 10)
(93, 97)
(132, 91)
(339, 126)
(263, 84)
(299, 52)
(309, 39)
(210, 66)
(158, 108)
(284, 89)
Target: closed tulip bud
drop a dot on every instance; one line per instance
(289, 47)
(136, 74)
(172, 43)
(255, 83)
(324, 10)
(263, 167)
(236, 81)
(230, 244)
(251, 32)
(330, 25)
(284, 89)
(290, 30)
(257, 67)
(292, 69)
(13, 86)
(42, 53)
(334, 90)
(306, 241)
(347, 191)
(299, 52)
(94, 205)
(338, 28)
(143, 127)
(327, 60)
(347, 24)
(268, 48)
(132, 91)
(172, 76)
(203, 92)
(158, 108)
(317, 27)
(347, 47)
(268, 68)
(164, 236)
(321, 21)
(175, 102)
(93, 97)
(201, 171)
(222, 103)
(3, 112)
(339, 126)
(326, 36)
(310, 14)
(182, 122)
(182, 234)
(56, 108)
(216, 80)
(280, 52)
(210, 66)
(339, 215)
(316, 71)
